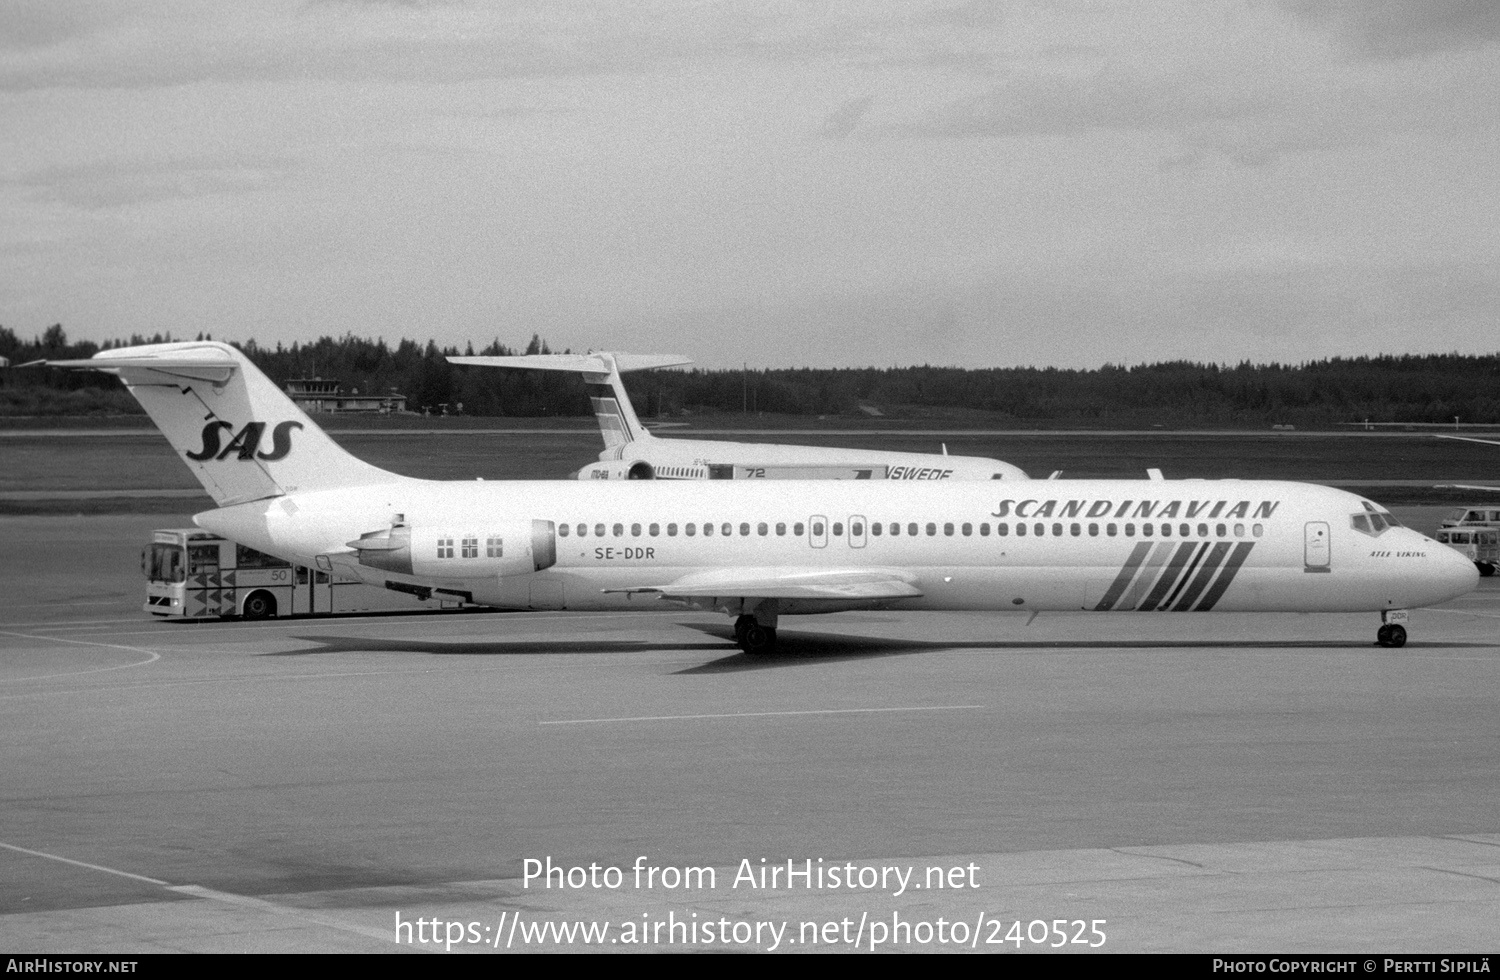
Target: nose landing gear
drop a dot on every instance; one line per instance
(1392, 633)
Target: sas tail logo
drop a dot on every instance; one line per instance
(246, 441)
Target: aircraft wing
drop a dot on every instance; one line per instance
(1464, 486)
(577, 363)
(1487, 442)
(838, 584)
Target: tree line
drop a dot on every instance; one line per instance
(1431, 388)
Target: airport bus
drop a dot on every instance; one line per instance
(1488, 516)
(195, 574)
(1481, 545)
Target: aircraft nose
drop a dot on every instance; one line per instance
(1458, 575)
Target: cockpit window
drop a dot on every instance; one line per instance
(1373, 521)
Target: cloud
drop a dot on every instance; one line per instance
(1403, 28)
(841, 121)
(124, 183)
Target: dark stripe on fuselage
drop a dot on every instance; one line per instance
(1117, 588)
(1148, 574)
(1236, 559)
(1187, 575)
(1169, 577)
(1210, 565)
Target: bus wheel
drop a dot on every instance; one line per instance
(1485, 568)
(259, 605)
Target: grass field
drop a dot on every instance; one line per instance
(1395, 468)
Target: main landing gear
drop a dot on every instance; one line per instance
(752, 637)
(1392, 633)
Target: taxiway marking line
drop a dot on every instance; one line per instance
(762, 714)
(85, 864)
(198, 891)
(152, 658)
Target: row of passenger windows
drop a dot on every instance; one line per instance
(893, 529)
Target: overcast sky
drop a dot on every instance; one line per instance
(881, 183)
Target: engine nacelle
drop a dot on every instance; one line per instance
(618, 470)
(457, 552)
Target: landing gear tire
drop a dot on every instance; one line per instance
(259, 605)
(757, 639)
(1391, 635)
(741, 624)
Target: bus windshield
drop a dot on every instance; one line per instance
(165, 564)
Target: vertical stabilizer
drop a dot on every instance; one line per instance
(601, 372)
(242, 437)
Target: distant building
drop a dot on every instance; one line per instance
(327, 395)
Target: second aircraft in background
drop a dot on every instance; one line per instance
(633, 453)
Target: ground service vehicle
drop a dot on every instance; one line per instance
(1472, 517)
(1481, 545)
(196, 574)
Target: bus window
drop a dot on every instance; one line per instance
(166, 564)
(203, 558)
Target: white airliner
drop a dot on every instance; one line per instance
(1469, 486)
(758, 550)
(633, 453)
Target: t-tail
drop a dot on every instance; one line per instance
(242, 437)
(601, 372)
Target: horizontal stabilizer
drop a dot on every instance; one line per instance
(192, 369)
(789, 583)
(1487, 442)
(578, 363)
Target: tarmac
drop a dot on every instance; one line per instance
(890, 781)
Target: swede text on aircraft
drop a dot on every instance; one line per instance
(758, 550)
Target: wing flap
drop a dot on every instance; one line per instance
(577, 363)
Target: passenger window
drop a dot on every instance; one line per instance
(895, 530)
(1257, 529)
(1166, 530)
(598, 530)
(911, 529)
(1039, 530)
(708, 530)
(948, 530)
(1220, 531)
(726, 529)
(1057, 530)
(1074, 530)
(1145, 530)
(856, 530)
(931, 530)
(583, 530)
(984, 530)
(654, 530)
(781, 530)
(635, 530)
(1002, 530)
(745, 530)
(619, 530)
(817, 529)
(763, 529)
(797, 529)
(562, 530)
(1239, 530)
(875, 528)
(1111, 529)
(690, 530)
(1093, 530)
(838, 529)
(1020, 530)
(1185, 530)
